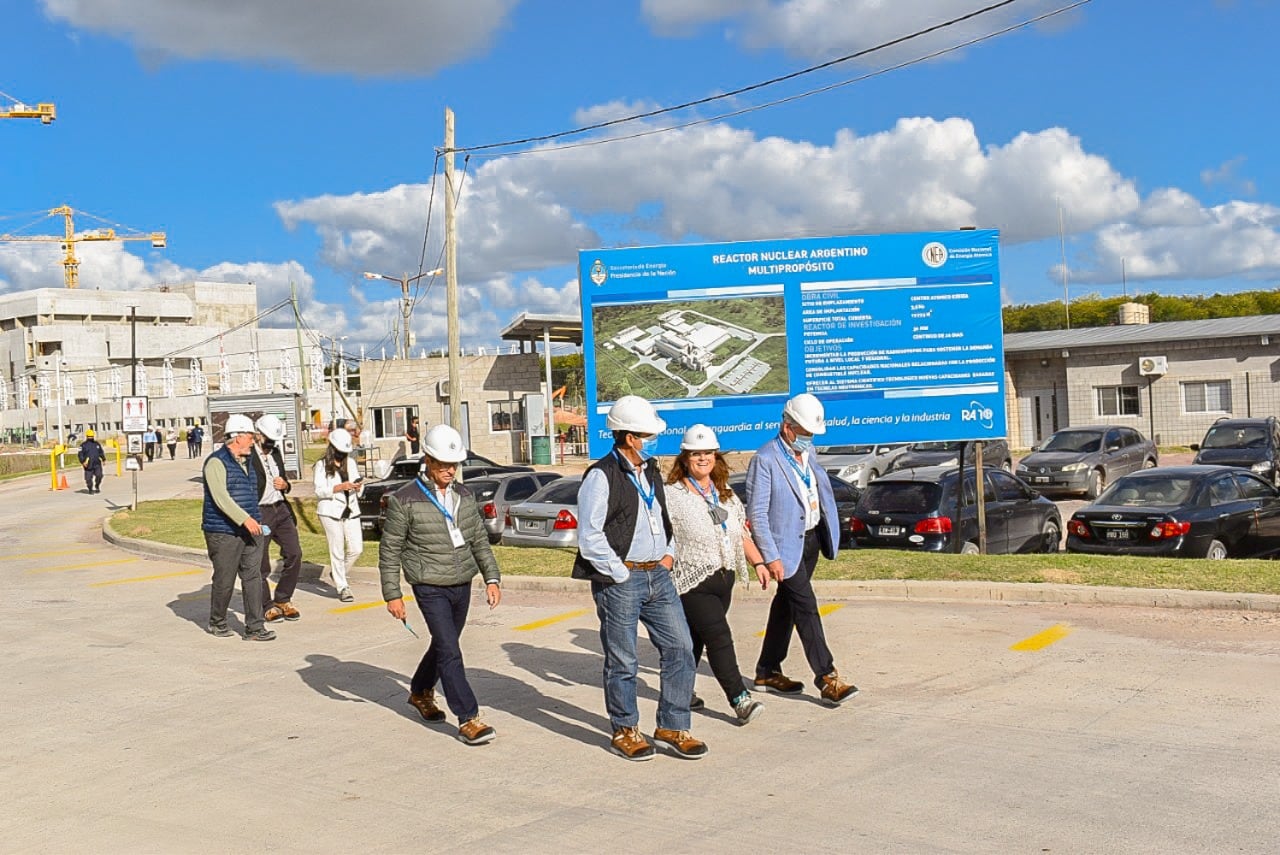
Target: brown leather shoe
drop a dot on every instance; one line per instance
(835, 691)
(629, 743)
(778, 682)
(475, 732)
(425, 704)
(683, 743)
(273, 614)
(290, 613)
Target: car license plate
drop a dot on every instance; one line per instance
(1118, 534)
(890, 530)
(1041, 479)
(531, 525)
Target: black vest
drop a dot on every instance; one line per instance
(620, 519)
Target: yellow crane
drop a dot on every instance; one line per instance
(69, 239)
(12, 108)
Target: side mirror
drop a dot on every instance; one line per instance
(1195, 446)
(1035, 447)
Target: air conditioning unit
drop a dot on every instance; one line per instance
(1149, 366)
(442, 389)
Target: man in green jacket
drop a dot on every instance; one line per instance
(433, 533)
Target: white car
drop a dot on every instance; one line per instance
(859, 464)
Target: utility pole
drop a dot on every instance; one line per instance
(406, 305)
(297, 326)
(451, 276)
(1062, 241)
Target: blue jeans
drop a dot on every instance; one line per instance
(647, 597)
(444, 608)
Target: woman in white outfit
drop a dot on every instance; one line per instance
(337, 482)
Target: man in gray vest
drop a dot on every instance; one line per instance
(625, 550)
(233, 534)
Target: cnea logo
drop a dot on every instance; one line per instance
(976, 412)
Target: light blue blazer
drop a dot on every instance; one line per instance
(776, 504)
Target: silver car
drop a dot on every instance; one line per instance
(494, 495)
(860, 464)
(548, 518)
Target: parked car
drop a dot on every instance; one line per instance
(995, 452)
(406, 469)
(920, 508)
(859, 464)
(548, 518)
(846, 495)
(1252, 444)
(1085, 459)
(1204, 511)
(496, 494)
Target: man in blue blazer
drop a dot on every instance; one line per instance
(793, 517)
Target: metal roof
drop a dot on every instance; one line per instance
(1126, 334)
(527, 327)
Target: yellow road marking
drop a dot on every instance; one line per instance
(84, 566)
(56, 552)
(1040, 640)
(539, 624)
(146, 578)
(359, 607)
(822, 610)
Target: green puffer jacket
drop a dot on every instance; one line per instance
(415, 539)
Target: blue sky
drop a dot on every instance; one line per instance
(295, 140)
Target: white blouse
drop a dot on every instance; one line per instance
(331, 504)
(702, 545)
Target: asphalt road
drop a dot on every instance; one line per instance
(980, 727)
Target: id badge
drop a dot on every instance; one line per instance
(456, 534)
(655, 524)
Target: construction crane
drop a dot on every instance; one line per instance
(69, 239)
(12, 108)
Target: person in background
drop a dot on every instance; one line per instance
(171, 440)
(625, 550)
(713, 548)
(91, 456)
(792, 511)
(149, 440)
(191, 441)
(411, 437)
(278, 516)
(337, 483)
(434, 535)
(199, 440)
(232, 527)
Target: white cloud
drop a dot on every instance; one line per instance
(819, 29)
(386, 37)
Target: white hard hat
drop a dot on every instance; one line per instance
(340, 439)
(238, 424)
(699, 438)
(270, 427)
(444, 444)
(634, 414)
(806, 410)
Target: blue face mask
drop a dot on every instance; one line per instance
(649, 447)
(801, 444)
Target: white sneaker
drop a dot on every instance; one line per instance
(346, 596)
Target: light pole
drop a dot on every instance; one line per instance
(406, 307)
(57, 381)
(333, 377)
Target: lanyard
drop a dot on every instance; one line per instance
(431, 495)
(713, 500)
(648, 497)
(804, 474)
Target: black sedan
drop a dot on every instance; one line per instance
(928, 509)
(846, 497)
(1182, 511)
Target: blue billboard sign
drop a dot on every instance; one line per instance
(899, 335)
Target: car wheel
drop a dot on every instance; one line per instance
(1052, 537)
(495, 539)
(1148, 464)
(1096, 482)
(1216, 551)
(969, 548)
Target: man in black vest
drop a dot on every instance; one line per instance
(277, 516)
(625, 550)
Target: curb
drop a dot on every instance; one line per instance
(879, 589)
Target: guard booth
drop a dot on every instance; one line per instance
(285, 406)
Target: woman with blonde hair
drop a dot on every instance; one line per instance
(337, 482)
(713, 548)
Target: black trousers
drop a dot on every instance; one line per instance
(444, 608)
(706, 608)
(795, 605)
(284, 531)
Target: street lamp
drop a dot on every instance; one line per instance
(333, 377)
(407, 307)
